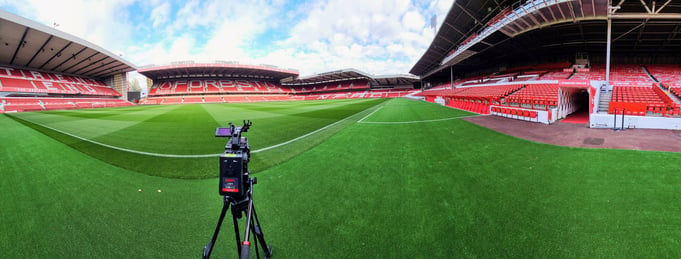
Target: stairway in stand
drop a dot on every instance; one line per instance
(604, 101)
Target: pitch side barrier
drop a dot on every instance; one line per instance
(619, 121)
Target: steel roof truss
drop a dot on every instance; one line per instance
(560, 9)
(467, 12)
(73, 56)
(640, 33)
(593, 7)
(646, 6)
(572, 12)
(541, 13)
(553, 15)
(663, 6)
(42, 48)
(83, 60)
(93, 63)
(619, 4)
(104, 72)
(627, 32)
(99, 67)
(20, 45)
(534, 19)
(58, 54)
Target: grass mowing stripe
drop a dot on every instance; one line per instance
(120, 148)
(451, 189)
(195, 156)
(461, 190)
(206, 167)
(418, 121)
(314, 132)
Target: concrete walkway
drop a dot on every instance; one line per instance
(578, 135)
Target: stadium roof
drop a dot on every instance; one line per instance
(189, 69)
(29, 44)
(549, 28)
(350, 74)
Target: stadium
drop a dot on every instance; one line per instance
(468, 155)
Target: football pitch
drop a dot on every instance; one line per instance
(336, 179)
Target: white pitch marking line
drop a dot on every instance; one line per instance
(190, 156)
(362, 119)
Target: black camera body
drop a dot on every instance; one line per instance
(234, 161)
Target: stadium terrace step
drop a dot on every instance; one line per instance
(604, 101)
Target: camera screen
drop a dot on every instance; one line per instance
(223, 132)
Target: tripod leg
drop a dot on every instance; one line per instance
(235, 215)
(260, 237)
(246, 244)
(208, 249)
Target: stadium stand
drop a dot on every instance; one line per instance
(668, 75)
(63, 91)
(29, 81)
(42, 68)
(544, 95)
(217, 90)
(214, 86)
(634, 91)
(474, 99)
(555, 75)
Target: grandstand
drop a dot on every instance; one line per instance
(42, 68)
(544, 61)
(221, 81)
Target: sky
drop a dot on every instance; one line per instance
(376, 36)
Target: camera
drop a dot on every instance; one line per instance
(236, 188)
(234, 161)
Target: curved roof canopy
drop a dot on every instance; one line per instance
(350, 74)
(189, 69)
(26, 43)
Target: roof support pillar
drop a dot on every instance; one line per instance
(451, 76)
(607, 53)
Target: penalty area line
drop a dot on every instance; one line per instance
(313, 132)
(372, 113)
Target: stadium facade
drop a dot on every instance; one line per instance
(223, 81)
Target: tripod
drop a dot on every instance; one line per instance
(239, 205)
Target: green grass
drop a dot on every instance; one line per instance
(189, 130)
(440, 189)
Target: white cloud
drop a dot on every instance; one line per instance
(380, 37)
(377, 36)
(413, 21)
(160, 14)
(102, 22)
